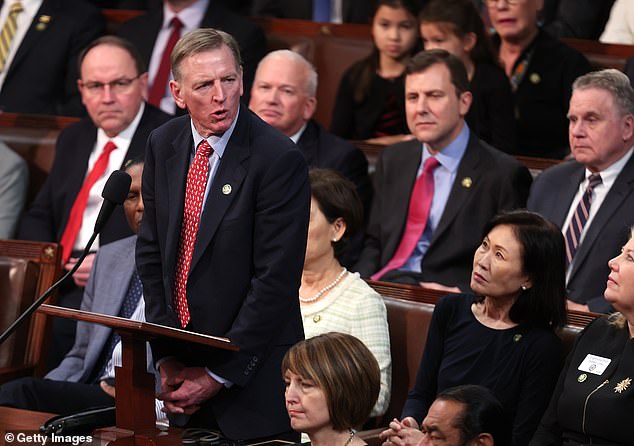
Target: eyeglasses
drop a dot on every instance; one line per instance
(117, 86)
(494, 3)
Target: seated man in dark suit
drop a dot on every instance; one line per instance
(433, 195)
(591, 198)
(113, 85)
(284, 96)
(156, 32)
(38, 68)
(82, 380)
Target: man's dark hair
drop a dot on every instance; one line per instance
(426, 59)
(119, 43)
(482, 414)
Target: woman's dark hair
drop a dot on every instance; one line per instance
(337, 197)
(543, 260)
(482, 413)
(464, 18)
(367, 68)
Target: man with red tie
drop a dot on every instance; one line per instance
(113, 86)
(221, 246)
(434, 194)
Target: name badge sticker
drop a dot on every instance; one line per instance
(594, 364)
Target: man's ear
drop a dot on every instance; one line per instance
(177, 94)
(483, 439)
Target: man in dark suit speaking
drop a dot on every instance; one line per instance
(221, 246)
(433, 195)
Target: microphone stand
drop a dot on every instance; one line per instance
(40, 300)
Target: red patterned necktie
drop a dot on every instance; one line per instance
(194, 194)
(579, 218)
(419, 206)
(157, 92)
(79, 207)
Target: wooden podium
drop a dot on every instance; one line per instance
(135, 388)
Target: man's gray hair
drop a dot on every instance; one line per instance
(199, 41)
(612, 81)
(311, 78)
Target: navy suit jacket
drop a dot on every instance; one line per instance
(48, 215)
(43, 75)
(353, 11)
(143, 30)
(246, 267)
(552, 194)
(487, 182)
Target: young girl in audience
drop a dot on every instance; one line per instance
(370, 100)
(456, 26)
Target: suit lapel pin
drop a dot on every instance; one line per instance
(623, 385)
(581, 378)
(226, 189)
(466, 182)
(535, 78)
(42, 22)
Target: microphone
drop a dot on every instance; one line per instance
(114, 193)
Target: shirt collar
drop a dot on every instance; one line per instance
(450, 156)
(218, 143)
(295, 137)
(191, 16)
(608, 176)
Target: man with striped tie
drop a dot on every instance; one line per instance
(592, 196)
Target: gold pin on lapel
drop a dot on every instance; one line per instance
(581, 378)
(623, 385)
(517, 338)
(535, 78)
(42, 22)
(316, 318)
(466, 182)
(226, 189)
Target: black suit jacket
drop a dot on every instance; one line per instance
(581, 19)
(143, 30)
(43, 75)
(246, 266)
(324, 150)
(353, 11)
(48, 215)
(552, 194)
(497, 182)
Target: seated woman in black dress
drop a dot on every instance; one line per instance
(370, 101)
(541, 70)
(456, 26)
(593, 401)
(502, 337)
(332, 382)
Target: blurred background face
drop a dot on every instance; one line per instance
(306, 404)
(133, 204)
(280, 96)
(394, 31)
(597, 129)
(498, 266)
(619, 290)
(111, 89)
(321, 234)
(439, 426)
(434, 111)
(441, 36)
(514, 19)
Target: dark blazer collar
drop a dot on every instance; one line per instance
(309, 143)
(231, 171)
(622, 188)
(33, 35)
(468, 168)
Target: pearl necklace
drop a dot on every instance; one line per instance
(330, 286)
(352, 433)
